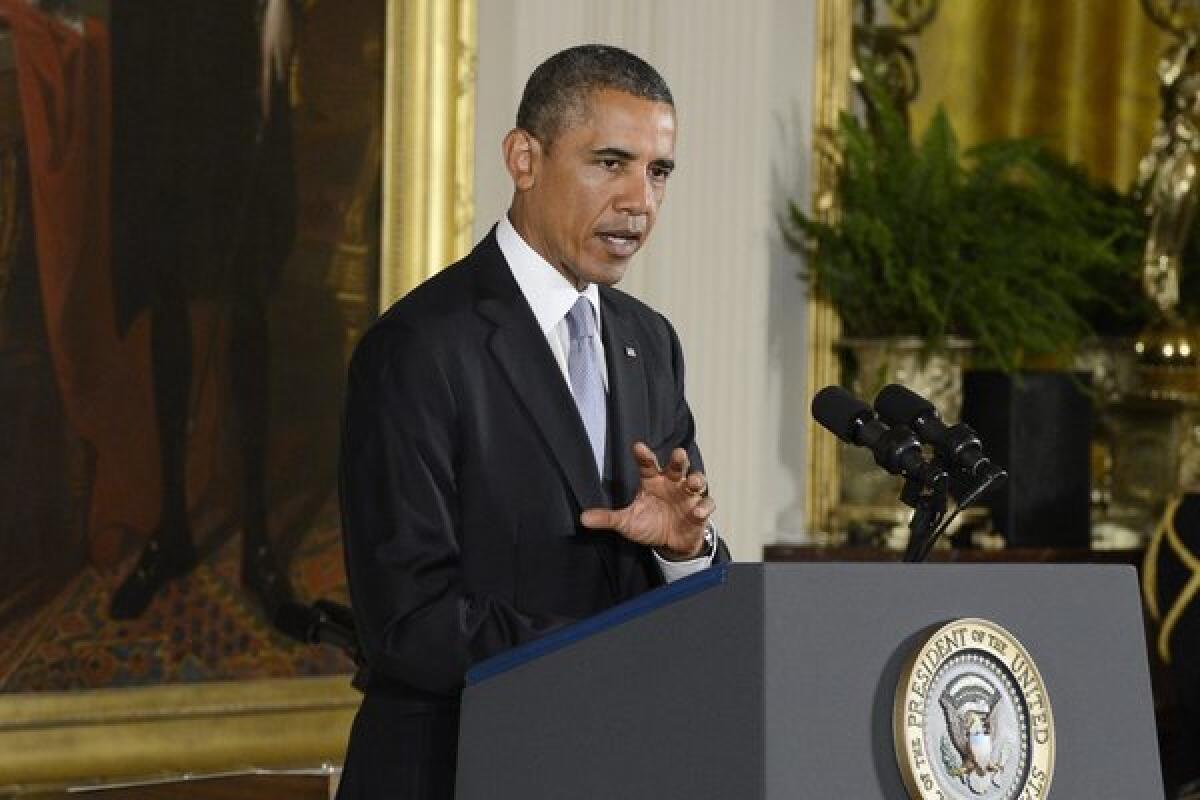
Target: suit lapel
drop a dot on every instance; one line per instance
(523, 354)
(628, 401)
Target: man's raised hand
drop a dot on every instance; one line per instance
(669, 511)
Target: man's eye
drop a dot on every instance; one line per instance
(610, 164)
(660, 173)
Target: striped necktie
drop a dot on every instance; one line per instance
(586, 382)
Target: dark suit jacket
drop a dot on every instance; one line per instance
(465, 466)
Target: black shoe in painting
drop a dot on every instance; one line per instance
(158, 564)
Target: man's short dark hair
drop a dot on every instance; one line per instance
(557, 91)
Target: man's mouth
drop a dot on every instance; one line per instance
(621, 244)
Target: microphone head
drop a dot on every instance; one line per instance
(840, 412)
(899, 405)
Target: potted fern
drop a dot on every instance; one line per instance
(1003, 245)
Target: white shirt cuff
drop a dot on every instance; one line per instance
(674, 570)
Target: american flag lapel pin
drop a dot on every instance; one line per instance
(630, 352)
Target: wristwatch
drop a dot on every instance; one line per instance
(710, 541)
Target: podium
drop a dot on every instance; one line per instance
(778, 681)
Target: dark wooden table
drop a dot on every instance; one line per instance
(1021, 555)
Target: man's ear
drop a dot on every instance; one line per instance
(521, 152)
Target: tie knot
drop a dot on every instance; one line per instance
(580, 322)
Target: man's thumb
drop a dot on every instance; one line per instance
(599, 519)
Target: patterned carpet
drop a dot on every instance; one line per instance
(201, 627)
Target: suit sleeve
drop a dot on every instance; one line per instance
(399, 495)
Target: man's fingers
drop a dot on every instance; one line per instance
(704, 509)
(696, 484)
(647, 461)
(677, 467)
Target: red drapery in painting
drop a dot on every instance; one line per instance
(104, 380)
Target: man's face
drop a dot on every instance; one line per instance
(589, 201)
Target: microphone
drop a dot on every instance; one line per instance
(895, 448)
(324, 622)
(958, 446)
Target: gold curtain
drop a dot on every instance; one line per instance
(1080, 74)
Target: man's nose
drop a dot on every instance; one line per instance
(637, 196)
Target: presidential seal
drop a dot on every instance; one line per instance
(972, 718)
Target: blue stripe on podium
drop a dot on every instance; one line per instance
(617, 615)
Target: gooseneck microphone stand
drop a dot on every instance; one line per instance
(927, 499)
(956, 449)
(928, 502)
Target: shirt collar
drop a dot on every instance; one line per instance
(547, 291)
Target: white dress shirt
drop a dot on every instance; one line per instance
(550, 295)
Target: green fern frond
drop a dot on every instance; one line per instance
(1005, 243)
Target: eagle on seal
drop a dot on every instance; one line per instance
(973, 734)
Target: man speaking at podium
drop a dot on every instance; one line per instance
(518, 453)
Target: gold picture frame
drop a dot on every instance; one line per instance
(57, 739)
(831, 89)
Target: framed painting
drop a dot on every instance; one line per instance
(187, 256)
